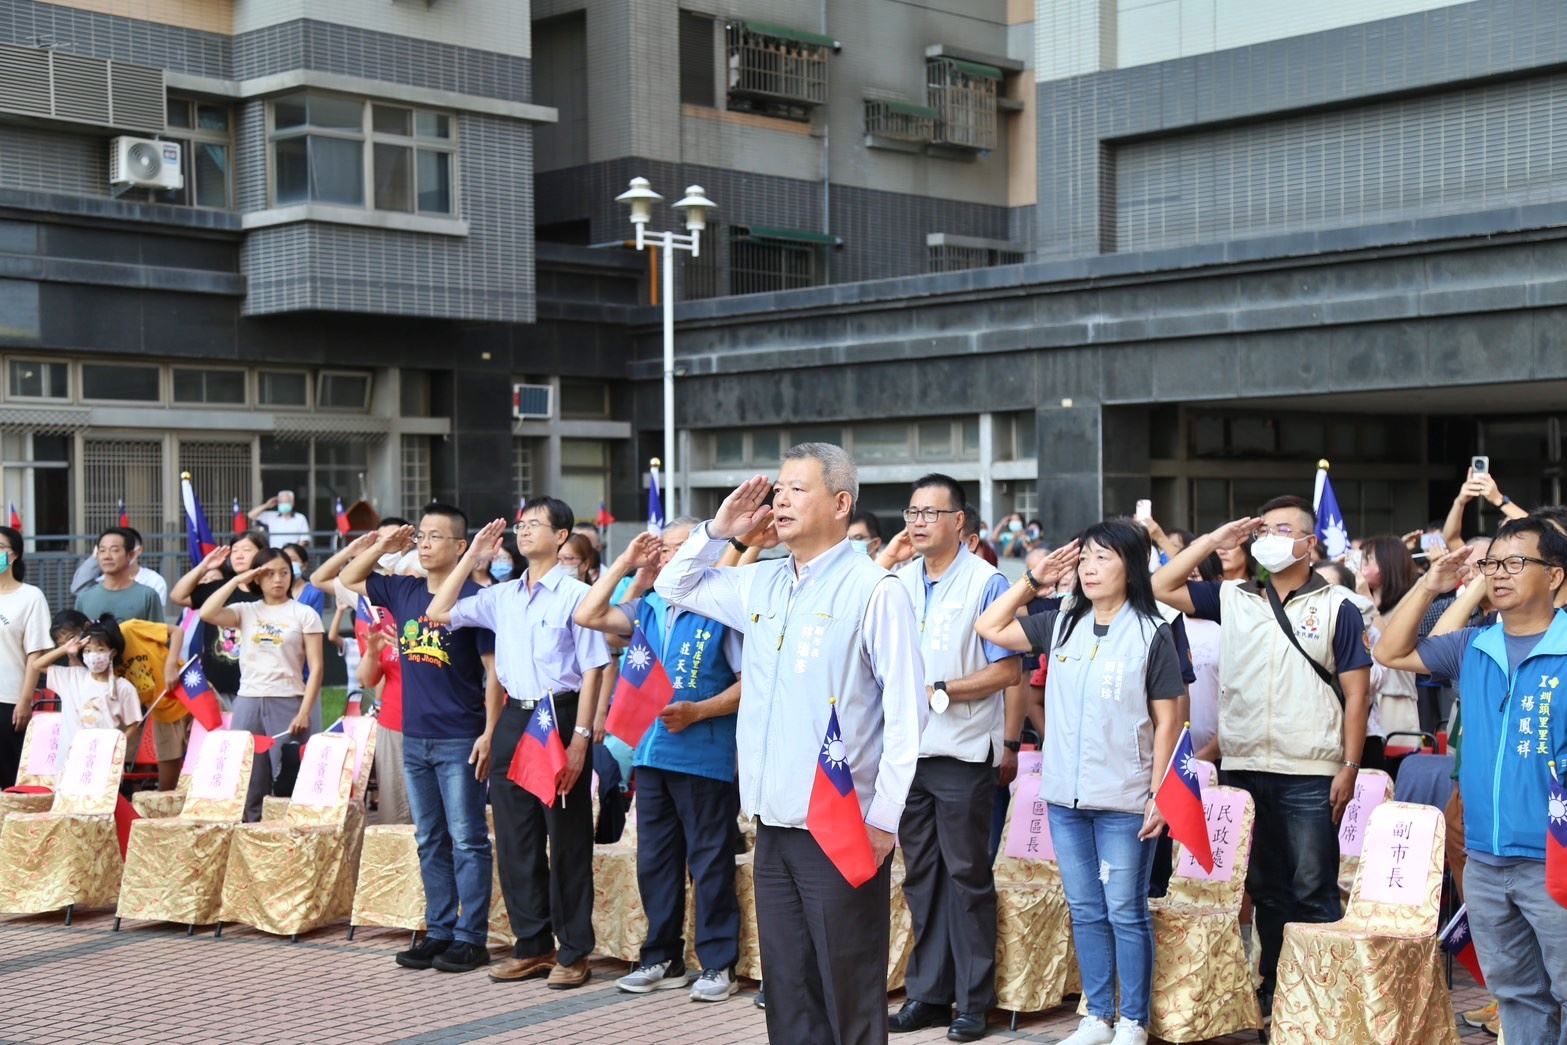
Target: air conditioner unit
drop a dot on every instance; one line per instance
(143, 163)
(532, 402)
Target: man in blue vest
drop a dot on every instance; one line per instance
(1509, 677)
(687, 805)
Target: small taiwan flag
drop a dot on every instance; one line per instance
(520, 502)
(540, 756)
(1556, 841)
(342, 516)
(125, 516)
(196, 694)
(16, 518)
(1180, 801)
(834, 818)
(643, 691)
(603, 520)
(241, 520)
(1460, 943)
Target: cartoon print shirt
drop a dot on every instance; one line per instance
(272, 647)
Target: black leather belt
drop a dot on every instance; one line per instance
(529, 703)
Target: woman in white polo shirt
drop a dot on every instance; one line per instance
(1111, 723)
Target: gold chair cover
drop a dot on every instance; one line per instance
(70, 855)
(41, 724)
(390, 892)
(174, 865)
(298, 874)
(500, 923)
(13, 803)
(1036, 964)
(1375, 977)
(362, 729)
(274, 807)
(619, 921)
(1202, 986)
(159, 805)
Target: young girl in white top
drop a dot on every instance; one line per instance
(279, 637)
(92, 695)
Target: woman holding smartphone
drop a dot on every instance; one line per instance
(1111, 723)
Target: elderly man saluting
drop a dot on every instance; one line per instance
(826, 630)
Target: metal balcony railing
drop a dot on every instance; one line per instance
(964, 94)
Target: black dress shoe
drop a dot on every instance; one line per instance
(461, 957)
(423, 954)
(917, 1015)
(969, 1026)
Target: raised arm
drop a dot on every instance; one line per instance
(1462, 610)
(1169, 581)
(265, 506)
(999, 624)
(37, 664)
(482, 546)
(216, 609)
(329, 570)
(1401, 628)
(595, 611)
(692, 580)
(185, 588)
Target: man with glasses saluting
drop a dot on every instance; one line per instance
(1509, 675)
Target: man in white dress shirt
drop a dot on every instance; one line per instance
(823, 625)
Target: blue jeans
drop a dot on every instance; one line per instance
(1294, 858)
(454, 843)
(1521, 936)
(1104, 870)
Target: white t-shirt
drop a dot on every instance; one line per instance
(292, 528)
(24, 630)
(272, 647)
(1203, 637)
(86, 703)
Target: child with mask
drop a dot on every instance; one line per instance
(91, 695)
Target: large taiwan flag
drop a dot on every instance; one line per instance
(834, 817)
(1180, 801)
(643, 691)
(1556, 841)
(194, 691)
(198, 534)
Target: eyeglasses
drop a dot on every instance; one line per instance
(1512, 565)
(425, 535)
(928, 515)
(529, 526)
(1281, 530)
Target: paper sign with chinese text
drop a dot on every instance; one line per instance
(88, 763)
(320, 772)
(1370, 792)
(1396, 859)
(43, 738)
(1028, 836)
(1224, 812)
(216, 776)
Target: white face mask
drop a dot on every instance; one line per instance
(1274, 552)
(389, 561)
(97, 662)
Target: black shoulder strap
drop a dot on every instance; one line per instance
(1324, 674)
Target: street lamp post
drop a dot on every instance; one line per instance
(639, 198)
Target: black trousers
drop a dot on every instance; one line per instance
(686, 819)
(546, 898)
(10, 747)
(951, 892)
(824, 945)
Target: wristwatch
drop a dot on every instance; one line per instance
(582, 731)
(938, 697)
(1013, 746)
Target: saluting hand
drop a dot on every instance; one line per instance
(486, 542)
(1443, 576)
(743, 510)
(641, 553)
(1234, 534)
(1057, 564)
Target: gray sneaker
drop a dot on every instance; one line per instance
(714, 985)
(649, 978)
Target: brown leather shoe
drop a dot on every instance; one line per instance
(565, 977)
(522, 968)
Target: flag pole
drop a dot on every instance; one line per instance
(555, 717)
(1322, 477)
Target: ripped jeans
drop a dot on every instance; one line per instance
(1105, 870)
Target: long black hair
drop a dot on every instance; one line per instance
(14, 539)
(1130, 543)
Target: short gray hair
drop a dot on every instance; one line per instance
(838, 469)
(687, 521)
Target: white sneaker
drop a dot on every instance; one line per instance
(1091, 1031)
(654, 977)
(714, 985)
(1128, 1032)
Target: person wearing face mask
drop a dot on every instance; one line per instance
(302, 590)
(92, 696)
(974, 534)
(503, 567)
(24, 631)
(579, 558)
(278, 639)
(1010, 541)
(1294, 684)
(284, 525)
(865, 534)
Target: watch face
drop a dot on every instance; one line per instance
(939, 701)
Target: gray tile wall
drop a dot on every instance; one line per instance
(1081, 118)
(883, 232)
(33, 24)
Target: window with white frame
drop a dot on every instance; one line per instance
(36, 379)
(218, 387)
(353, 152)
(416, 474)
(521, 467)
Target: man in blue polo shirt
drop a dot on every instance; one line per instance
(1509, 676)
(687, 804)
(447, 729)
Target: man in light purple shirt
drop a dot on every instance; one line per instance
(827, 631)
(540, 653)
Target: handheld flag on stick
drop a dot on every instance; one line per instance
(540, 755)
(1556, 840)
(241, 520)
(642, 692)
(834, 818)
(125, 516)
(1180, 802)
(342, 516)
(1460, 943)
(16, 518)
(197, 532)
(1330, 520)
(655, 503)
(194, 691)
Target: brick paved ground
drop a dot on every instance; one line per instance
(150, 984)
